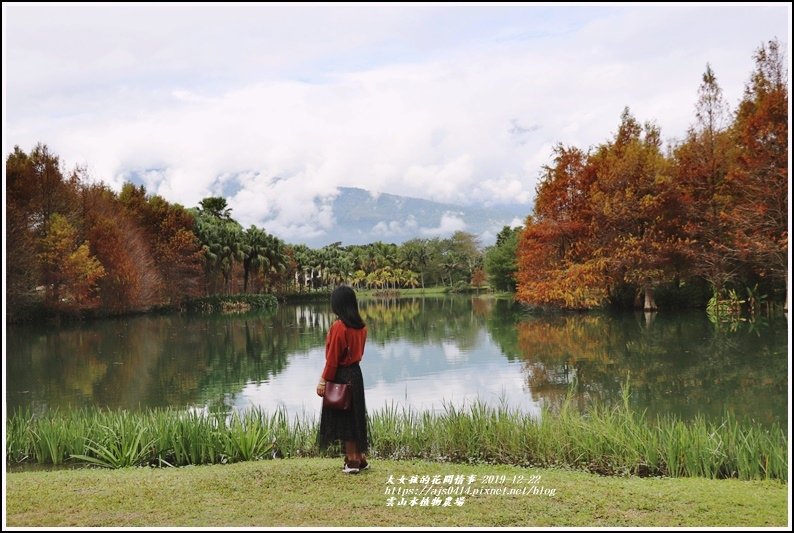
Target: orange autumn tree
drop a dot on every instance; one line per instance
(176, 251)
(701, 165)
(553, 249)
(35, 189)
(71, 272)
(605, 223)
(758, 220)
(636, 212)
(133, 282)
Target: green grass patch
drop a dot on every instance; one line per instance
(230, 303)
(364, 294)
(324, 295)
(315, 493)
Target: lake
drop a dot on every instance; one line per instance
(424, 353)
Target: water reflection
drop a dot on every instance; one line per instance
(422, 352)
(677, 364)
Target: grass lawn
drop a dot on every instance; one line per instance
(314, 492)
(416, 291)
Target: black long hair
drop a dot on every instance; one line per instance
(345, 306)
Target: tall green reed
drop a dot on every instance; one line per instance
(117, 442)
(613, 440)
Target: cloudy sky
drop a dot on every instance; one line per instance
(275, 106)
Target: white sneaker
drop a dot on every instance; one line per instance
(350, 468)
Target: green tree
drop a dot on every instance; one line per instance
(255, 252)
(500, 259)
(221, 239)
(302, 256)
(467, 248)
(417, 255)
(277, 259)
(216, 207)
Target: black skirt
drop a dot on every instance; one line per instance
(336, 425)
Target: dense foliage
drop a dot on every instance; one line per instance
(500, 259)
(77, 247)
(625, 220)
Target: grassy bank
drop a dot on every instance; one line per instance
(365, 294)
(607, 441)
(378, 294)
(230, 303)
(309, 492)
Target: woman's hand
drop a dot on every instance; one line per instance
(321, 388)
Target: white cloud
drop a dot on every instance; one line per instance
(452, 353)
(449, 224)
(502, 190)
(457, 104)
(395, 228)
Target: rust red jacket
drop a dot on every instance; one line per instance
(343, 347)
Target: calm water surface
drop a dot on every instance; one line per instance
(423, 353)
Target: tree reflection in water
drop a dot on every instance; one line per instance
(434, 347)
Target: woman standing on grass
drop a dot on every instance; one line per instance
(344, 348)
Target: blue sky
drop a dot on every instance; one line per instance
(278, 105)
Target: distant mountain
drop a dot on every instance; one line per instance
(362, 217)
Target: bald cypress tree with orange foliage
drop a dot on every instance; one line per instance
(36, 189)
(553, 248)
(133, 282)
(22, 268)
(758, 220)
(71, 272)
(636, 211)
(169, 230)
(701, 165)
(734, 174)
(625, 217)
(604, 222)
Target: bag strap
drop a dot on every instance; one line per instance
(347, 344)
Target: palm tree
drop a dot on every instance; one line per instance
(230, 249)
(302, 255)
(417, 256)
(255, 252)
(359, 277)
(215, 206)
(221, 241)
(410, 278)
(275, 254)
